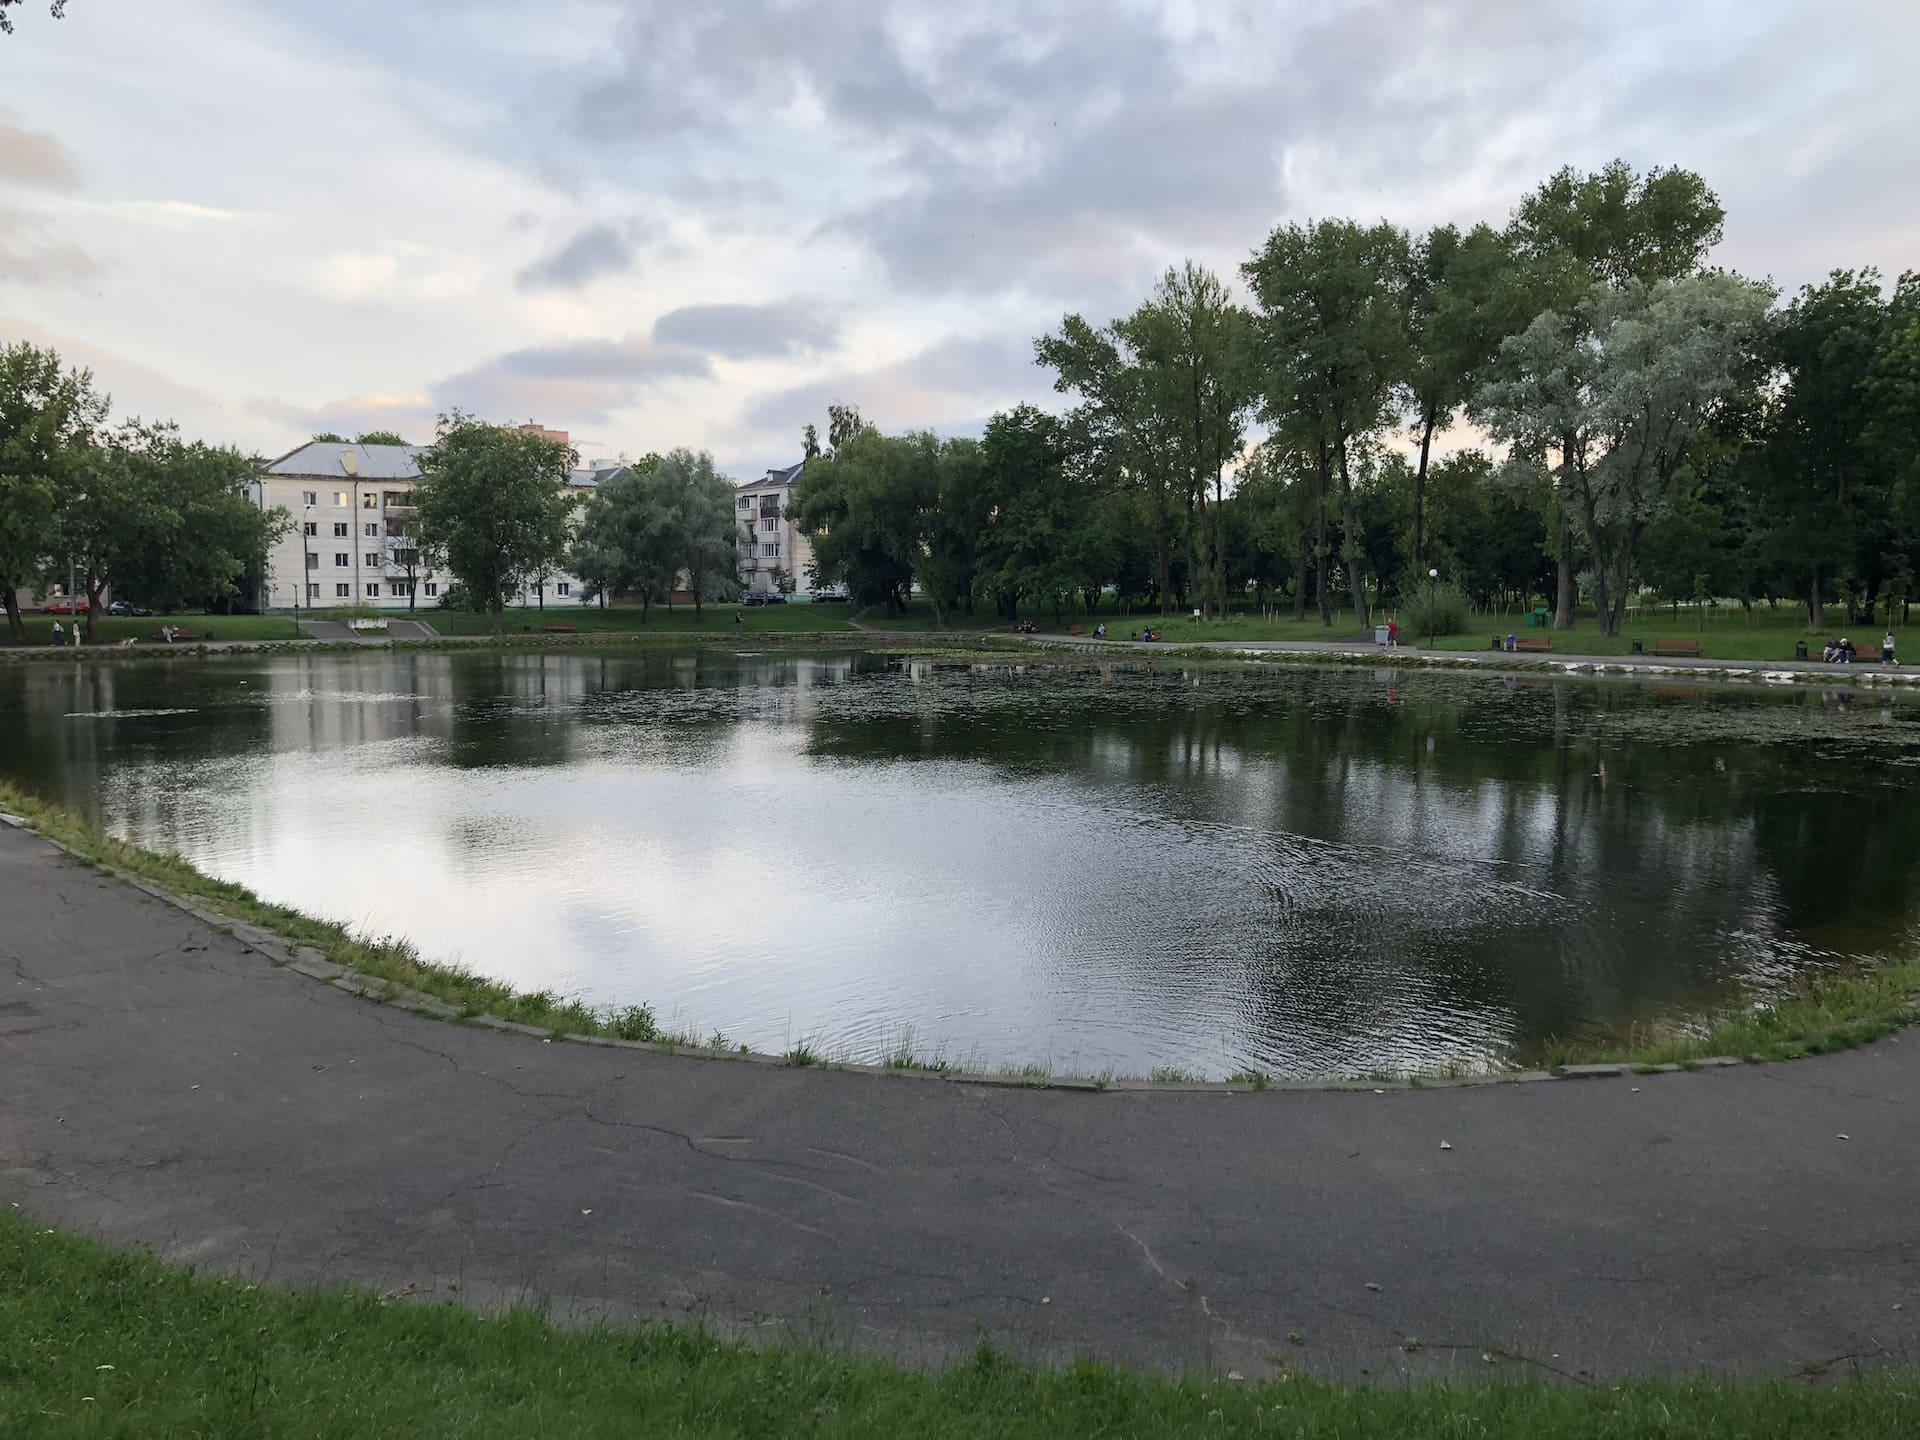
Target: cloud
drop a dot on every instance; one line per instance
(33, 252)
(404, 271)
(596, 251)
(413, 416)
(135, 389)
(571, 382)
(749, 332)
(945, 387)
(33, 157)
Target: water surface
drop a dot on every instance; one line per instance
(1306, 871)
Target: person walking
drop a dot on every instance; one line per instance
(736, 622)
(59, 635)
(1393, 634)
(1886, 649)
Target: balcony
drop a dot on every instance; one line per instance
(401, 508)
(769, 511)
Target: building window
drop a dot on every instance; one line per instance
(340, 530)
(563, 588)
(766, 525)
(345, 592)
(373, 559)
(770, 549)
(746, 502)
(433, 587)
(372, 528)
(313, 561)
(339, 499)
(373, 590)
(397, 588)
(310, 528)
(370, 501)
(340, 557)
(313, 592)
(309, 497)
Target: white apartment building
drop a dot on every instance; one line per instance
(354, 532)
(769, 543)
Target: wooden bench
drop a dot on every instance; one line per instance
(1537, 644)
(1677, 648)
(1076, 629)
(558, 627)
(178, 636)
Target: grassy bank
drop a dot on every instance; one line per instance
(114, 629)
(98, 1344)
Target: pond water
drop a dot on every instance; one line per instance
(1305, 871)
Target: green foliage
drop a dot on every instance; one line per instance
(1436, 607)
(328, 437)
(494, 506)
(667, 519)
(49, 421)
(378, 437)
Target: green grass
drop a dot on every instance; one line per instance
(1822, 1014)
(97, 1344)
(113, 629)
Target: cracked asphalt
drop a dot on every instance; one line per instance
(161, 1084)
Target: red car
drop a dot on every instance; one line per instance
(61, 605)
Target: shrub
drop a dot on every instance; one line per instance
(1436, 608)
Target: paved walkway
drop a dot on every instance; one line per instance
(165, 1085)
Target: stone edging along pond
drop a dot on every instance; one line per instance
(288, 953)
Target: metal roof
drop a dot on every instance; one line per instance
(785, 476)
(326, 460)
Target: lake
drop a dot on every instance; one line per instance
(1306, 871)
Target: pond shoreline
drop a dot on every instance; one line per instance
(1838, 1013)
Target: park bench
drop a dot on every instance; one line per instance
(1538, 644)
(178, 635)
(1676, 649)
(1076, 629)
(559, 627)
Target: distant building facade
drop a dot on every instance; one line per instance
(771, 548)
(354, 542)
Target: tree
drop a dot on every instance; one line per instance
(380, 437)
(1036, 506)
(163, 520)
(861, 506)
(1332, 345)
(1460, 305)
(1622, 390)
(628, 541)
(843, 423)
(329, 437)
(48, 421)
(1580, 232)
(699, 530)
(809, 443)
(494, 506)
(55, 8)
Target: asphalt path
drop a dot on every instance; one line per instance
(161, 1084)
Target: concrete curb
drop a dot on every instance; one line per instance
(311, 964)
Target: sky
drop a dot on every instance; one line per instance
(673, 224)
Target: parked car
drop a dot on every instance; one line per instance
(829, 597)
(122, 607)
(763, 597)
(61, 605)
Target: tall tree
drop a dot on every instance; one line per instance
(843, 423)
(1332, 345)
(380, 437)
(628, 539)
(1461, 303)
(810, 442)
(1580, 232)
(1623, 390)
(494, 506)
(49, 418)
(700, 531)
(862, 506)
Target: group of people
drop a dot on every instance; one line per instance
(1842, 651)
(1145, 635)
(61, 637)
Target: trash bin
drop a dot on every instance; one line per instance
(1498, 644)
(1799, 649)
(1638, 648)
(1379, 634)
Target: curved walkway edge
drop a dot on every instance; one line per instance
(167, 1085)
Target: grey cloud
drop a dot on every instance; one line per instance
(33, 157)
(945, 387)
(748, 332)
(596, 251)
(33, 252)
(572, 382)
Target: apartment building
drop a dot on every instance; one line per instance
(354, 540)
(770, 546)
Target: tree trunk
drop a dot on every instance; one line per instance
(1816, 609)
(1320, 566)
(93, 608)
(495, 609)
(1356, 569)
(1219, 541)
(1300, 580)
(1166, 572)
(16, 626)
(1193, 561)
(1428, 420)
(1565, 594)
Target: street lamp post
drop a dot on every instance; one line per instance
(300, 589)
(1433, 576)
